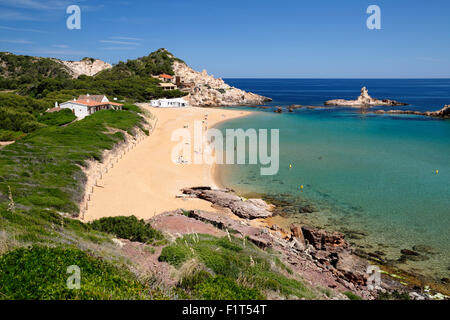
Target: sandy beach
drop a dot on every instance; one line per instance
(146, 181)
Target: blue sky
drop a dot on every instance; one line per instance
(245, 38)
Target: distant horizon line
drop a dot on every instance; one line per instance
(277, 78)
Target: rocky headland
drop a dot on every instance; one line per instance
(364, 101)
(442, 113)
(322, 258)
(207, 91)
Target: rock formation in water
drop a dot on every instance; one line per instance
(442, 113)
(363, 101)
(205, 90)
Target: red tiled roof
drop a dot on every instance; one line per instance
(98, 97)
(91, 103)
(165, 76)
(55, 109)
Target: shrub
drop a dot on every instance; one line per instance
(222, 288)
(395, 295)
(57, 118)
(174, 254)
(352, 296)
(231, 260)
(127, 228)
(41, 273)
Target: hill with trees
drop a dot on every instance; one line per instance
(31, 85)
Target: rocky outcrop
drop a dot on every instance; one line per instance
(363, 101)
(332, 265)
(248, 209)
(205, 90)
(442, 113)
(87, 66)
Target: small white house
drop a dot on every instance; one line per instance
(87, 105)
(170, 103)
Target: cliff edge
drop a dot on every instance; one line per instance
(205, 90)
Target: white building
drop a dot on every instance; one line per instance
(170, 103)
(87, 105)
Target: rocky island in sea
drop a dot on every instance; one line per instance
(364, 101)
(442, 113)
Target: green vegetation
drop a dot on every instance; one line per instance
(41, 176)
(41, 273)
(223, 288)
(352, 296)
(19, 114)
(20, 72)
(127, 228)
(59, 118)
(235, 269)
(43, 169)
(8, 135)
(42, 181)
(41, 82)
(395, 295)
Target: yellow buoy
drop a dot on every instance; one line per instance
(301, 187)
(290, 166)
(437, 171)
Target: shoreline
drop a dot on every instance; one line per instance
(404, 276)
(145, 182)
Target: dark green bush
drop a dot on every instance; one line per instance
(222, 288)
(231, 260)
(127, 228)
(395, 295)
(57, 118)
(174, 254)
(352, 296)
(41, 273)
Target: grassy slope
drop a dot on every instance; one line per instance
(44, 173)
(231, 268)
(43, 169)
(41, 82)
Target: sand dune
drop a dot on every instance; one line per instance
(145, 181)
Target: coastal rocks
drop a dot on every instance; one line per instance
(278, 110)
(363, 101)
(411, 255)
(87, 66)
(256, 235)
(323, 240)
(442, 113)
(249, 209)
(353, 268)
(205, 90)
(424, 249)
(178, 223)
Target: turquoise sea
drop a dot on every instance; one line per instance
(371, 176)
